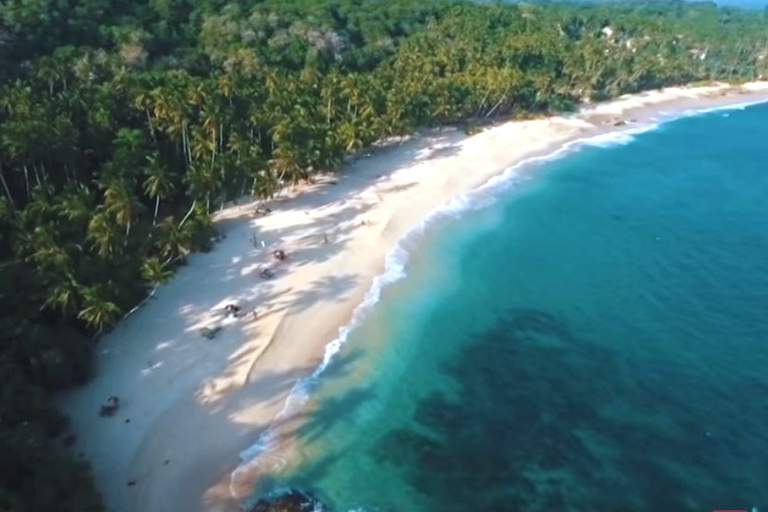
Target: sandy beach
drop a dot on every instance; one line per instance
(189, 405)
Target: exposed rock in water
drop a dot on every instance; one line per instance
(289, 501)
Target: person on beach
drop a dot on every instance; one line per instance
(110, 408)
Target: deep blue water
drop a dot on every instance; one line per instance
(594, 340)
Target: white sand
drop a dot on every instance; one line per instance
(195, 403)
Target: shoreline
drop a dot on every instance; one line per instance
(194, 404)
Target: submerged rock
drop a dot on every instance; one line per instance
(289, 501)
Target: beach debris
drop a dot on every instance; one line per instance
(131, 483)
(266, 273)
(325, 239)
(263, 210)
(292, 500)
(279, 254)
(110, 408)
(620, 122)
(210, 332)
(366, 223)
(233, 309)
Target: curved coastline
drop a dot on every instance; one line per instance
(219, 482)
(397, 258)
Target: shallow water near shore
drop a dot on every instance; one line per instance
(595, 339)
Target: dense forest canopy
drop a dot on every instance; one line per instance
(123, 125)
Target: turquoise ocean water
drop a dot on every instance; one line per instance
(590, 336)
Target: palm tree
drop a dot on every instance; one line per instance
(201, 182)
(143, 101)
(120, 202)
(65, 295)
(158, 183)
(155, 272)
(101, 233)
(172, 241)
(75, 204)
(98, 311)
(129, 145)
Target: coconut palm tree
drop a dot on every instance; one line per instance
(65, 295)
(102, 235)
(75, 203)
(154, 271)
(120, 202)
(98, 311)
(159, 183)
(171, 240)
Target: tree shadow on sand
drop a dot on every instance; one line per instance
(325, 289)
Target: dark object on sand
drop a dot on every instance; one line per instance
(265, 273)
(279, 254)
(110, 408)
(290, 501)
(263, 210)
(210, 332)
(233, 309)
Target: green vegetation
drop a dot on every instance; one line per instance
(124, 124)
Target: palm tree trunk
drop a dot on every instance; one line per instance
(151, 126)
(194, 203)
(184, 144)
(5, 186)
(37, 175)
(140, 304)
(26, 179)
(482, 103)
(185, 140)
(189, 149)
(503, 97)
(157, 205)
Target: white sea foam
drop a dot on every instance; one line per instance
(396, 259)
(733, 106)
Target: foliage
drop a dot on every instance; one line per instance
(123, 125)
